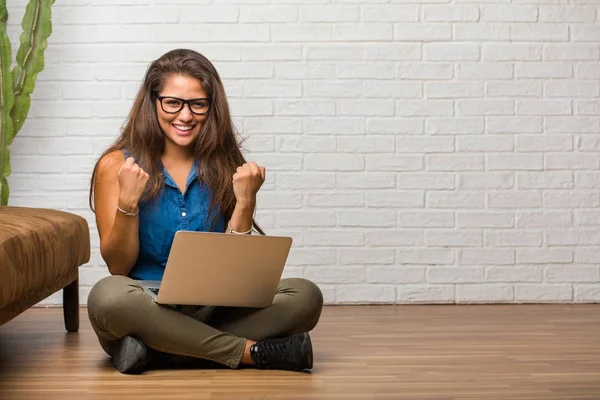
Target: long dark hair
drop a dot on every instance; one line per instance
(216, 148)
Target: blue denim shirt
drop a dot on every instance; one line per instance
(169, 212)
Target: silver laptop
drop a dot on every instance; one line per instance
(219, 269)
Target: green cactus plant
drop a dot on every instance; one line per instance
(17, 85)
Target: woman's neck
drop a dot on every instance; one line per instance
(177, 154)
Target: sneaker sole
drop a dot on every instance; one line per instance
(130, 355)
(307, 346)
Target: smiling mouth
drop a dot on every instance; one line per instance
(184, 128)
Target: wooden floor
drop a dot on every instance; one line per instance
(499, 352)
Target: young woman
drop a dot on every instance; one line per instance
(177, 166)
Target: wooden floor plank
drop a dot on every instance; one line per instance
(433, 352)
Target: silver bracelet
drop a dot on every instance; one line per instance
(239, 233)
(129, 214)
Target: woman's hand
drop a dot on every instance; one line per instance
(246, 182)
(132, 183)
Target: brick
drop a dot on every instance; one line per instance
(509, 199)
(571, 124)
(456, 275)
(312, 257)
(511, 274)
(429, 180)
(335, 275)
(363, 31)
(353, 294)
(395, 90)
(571, 199)
(427, 144)
(472, 162)
(484, 219)
(571, 52)
(368, 180)
(405, 199)
(544, 143)
(485, 107)
(455, 126)
(587, 293)
(331, 14)
(511, 125)
(332, 89)
(424, 71)
(426, 219)
(395, 126)
(487, 143)
(451, 52)
(303, 32)
(426, 256)
(543, 70)
(585, 32)
(371, 144)
(481, 32)
(272, 125)
(511, 52)
(484, 71)
(367, 218)
(335, 200)
(509, 13)
(587, 70)
(396, 274)
(392, 52)
(514, 239)
(587, 107)
(451, 238)
(301, 181)
(486, 257)
(545, 180)
(390, 13)
(543, 293)
(422, 32)
(260, 52)
(368, 108)
(486, 180)
(366, 256)
(334, 126)
(394, 238)
(539, 32)
(424, 108)
(394, 163)
(574, 88)
(265, 14)
(488, 293)
(519, 88)
(571, 161)
(460, 200)
(423, 294)
(298, 144)
(334, 238)
(334, 162)
(453, 89)
(454, 13)
(566, 14)
(571, 274)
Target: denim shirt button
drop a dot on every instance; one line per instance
(183, 214)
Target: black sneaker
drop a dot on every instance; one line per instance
(292, 353)
(130, 356)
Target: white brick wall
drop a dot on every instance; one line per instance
(418, 151)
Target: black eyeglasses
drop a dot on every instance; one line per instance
(172, 105)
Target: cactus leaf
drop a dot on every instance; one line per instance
(3, 12)
(6, 103)
(37, 27)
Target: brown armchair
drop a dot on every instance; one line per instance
(40, 253)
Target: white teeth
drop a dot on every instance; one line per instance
(183, 128)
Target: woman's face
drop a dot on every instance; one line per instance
(181, 127)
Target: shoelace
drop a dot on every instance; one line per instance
(277, 351)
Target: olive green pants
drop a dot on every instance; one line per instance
(118, 306)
